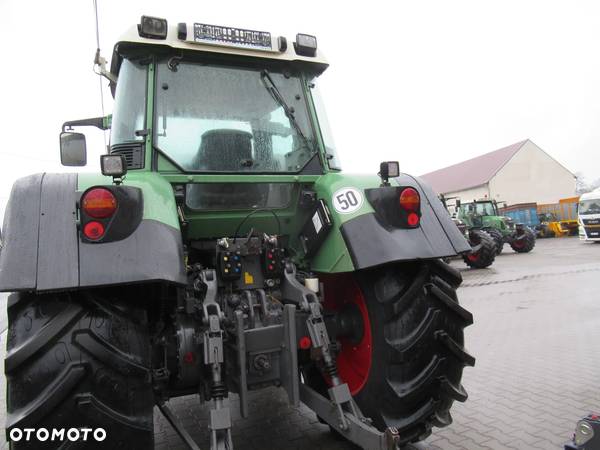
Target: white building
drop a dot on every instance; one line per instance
(519, 173)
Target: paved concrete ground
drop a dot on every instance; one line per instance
(537, 324)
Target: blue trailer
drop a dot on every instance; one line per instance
(525, 213)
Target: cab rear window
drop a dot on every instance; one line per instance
(215, 196)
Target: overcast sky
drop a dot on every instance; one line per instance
(428, 83)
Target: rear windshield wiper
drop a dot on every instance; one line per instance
(276, 94)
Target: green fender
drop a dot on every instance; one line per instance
(361, 238)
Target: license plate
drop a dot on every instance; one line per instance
(232, 37)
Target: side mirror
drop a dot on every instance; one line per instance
(73, 151)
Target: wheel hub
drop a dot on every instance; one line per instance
(350, 323)
(343, 295)
(473, 256)
(518, 242)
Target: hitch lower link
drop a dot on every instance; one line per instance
(341, 412)
(220, 416)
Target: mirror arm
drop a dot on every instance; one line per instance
(97, 122)
(100, 68)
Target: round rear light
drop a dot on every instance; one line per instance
(93, 230)
(99, 203)
(413, 219)
(410, 200)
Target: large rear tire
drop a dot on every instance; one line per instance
(498, 238)
(408, 363)
(525, 244)
(79, 360)
(485, 255)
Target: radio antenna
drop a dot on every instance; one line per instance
(98, 57)
(100, 68)
(99, 61)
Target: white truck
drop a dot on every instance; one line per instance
(589, 216)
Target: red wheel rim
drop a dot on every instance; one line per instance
(520, 243)
(473, 256)
(354, 359)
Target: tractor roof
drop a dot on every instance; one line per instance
(278, 52)
(479, 200)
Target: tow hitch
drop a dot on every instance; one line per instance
(339, 410)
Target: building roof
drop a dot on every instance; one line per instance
(473, 172)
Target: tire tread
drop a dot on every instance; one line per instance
(80, 360)
(529, 242)
(449, 303)
(46, 336)
(420, 361)
(407, 344)
(87, 401)
(486, 254)
(104, 351)
(456, 350)
(49, 398)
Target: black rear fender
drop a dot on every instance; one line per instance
(373, 239)
(42, 248)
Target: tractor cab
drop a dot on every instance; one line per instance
(482, 214)
(231, 118)
(480, 208)
(217, 100)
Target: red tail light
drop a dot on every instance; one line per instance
(99, 203)
(413, 219)
(93, 230)
(410, 200)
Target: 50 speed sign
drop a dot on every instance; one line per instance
(347, 200)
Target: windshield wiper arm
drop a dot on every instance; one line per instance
(276, 94)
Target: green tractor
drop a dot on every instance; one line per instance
(483, 215)
(222, 250)
(483, 246)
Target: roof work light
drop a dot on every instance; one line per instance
(305, 45)
(152, 27)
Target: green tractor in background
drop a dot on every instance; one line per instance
(483, 247)
(222, 249)
(483, 215)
